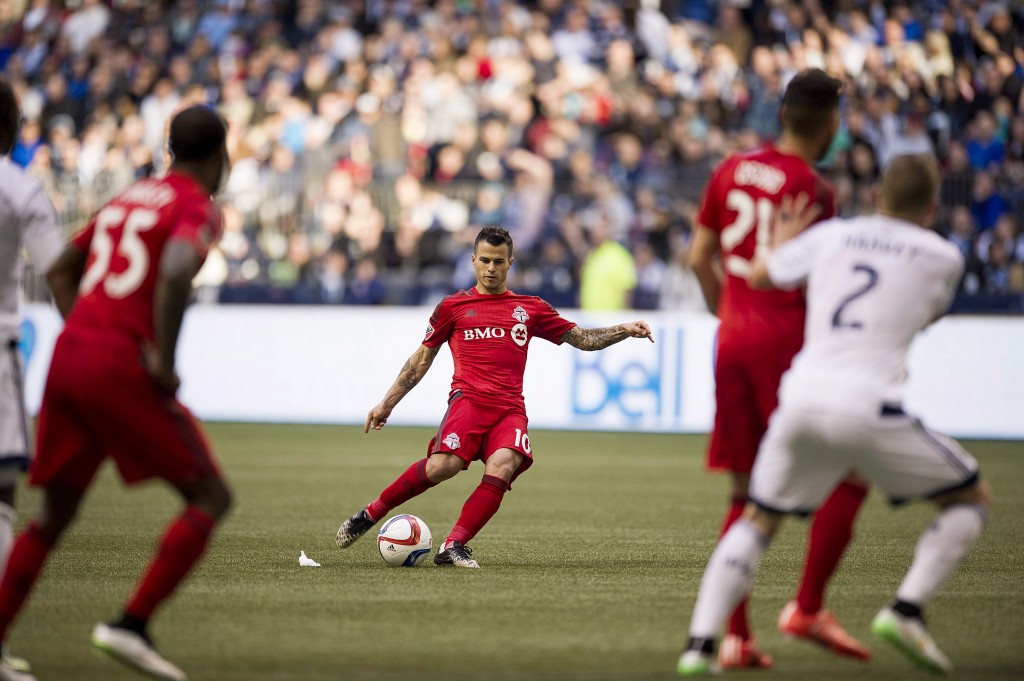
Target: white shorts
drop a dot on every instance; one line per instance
(14, 434)
(806, 453)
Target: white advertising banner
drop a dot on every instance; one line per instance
(332, 364)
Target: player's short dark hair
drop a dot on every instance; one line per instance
(495, 236)
(910, 184)
(10, 116)
(811, 98)
(196, 134)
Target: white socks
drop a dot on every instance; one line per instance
(7, 518)
(727, 578)
(940, 550)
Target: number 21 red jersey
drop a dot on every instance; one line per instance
(124, 242)
(739, 204)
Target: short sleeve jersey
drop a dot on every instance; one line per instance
(28, 223)
(489, 336)
(739, 204)
(125, 241)
(872, 283)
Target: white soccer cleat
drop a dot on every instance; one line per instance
(133, 650)
(909, 635)
(455, 554)
(14, 669)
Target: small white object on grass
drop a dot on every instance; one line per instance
(306, 561)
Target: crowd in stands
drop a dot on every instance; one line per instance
(372, 138)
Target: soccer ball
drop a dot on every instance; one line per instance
(404, 541)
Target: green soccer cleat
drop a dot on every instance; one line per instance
(909, 635)
(18, 664)
(135, 651)
(14, 668)
(697, 663)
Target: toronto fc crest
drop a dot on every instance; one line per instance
(519, 314)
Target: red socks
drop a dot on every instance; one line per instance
(23, 567)
(409, 484)
(182, 546)
(738, 620)
(736, 506)
(482, 504)
(831, 531)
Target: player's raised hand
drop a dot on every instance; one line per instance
(639, 330)
(377, 417)
(164, 376)
(793, 217)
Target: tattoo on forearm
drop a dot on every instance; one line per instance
(407, 378)
(593, 339)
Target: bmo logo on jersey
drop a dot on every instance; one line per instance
(517, 333)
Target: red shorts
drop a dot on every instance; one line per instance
(100, 402)
(472, 431)
(746, 394)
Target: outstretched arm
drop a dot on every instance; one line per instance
(415, 368)
(599, 339)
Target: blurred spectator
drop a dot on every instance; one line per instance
(608, 274)
(650, 278)
(366, 287)
(332, 278)
(988, 205)
(680, 288)
(86, 24)
(984, 148)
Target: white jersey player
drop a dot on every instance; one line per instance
(28, 224)
(872, 284)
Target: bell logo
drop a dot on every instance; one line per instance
(489, 332)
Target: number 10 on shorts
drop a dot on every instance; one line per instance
(523, 440)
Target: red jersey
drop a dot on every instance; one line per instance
(125, 240)
(739, 203)
(489, 336)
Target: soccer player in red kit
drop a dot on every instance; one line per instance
(488, 329)
(759, 334)
(123, 284)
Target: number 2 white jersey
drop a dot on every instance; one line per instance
(872, 283)
(27, 222)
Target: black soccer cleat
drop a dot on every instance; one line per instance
(456, 554)
(353, 528)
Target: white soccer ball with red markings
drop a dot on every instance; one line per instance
(404, 541)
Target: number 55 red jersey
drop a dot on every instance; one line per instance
(125, 241)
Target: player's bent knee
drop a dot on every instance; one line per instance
(978, 494)
(442, 466)
(767, 522)
(503, 464)
(210, 494)
(740, 485)
(60, 505)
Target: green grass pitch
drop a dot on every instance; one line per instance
(590, 570)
